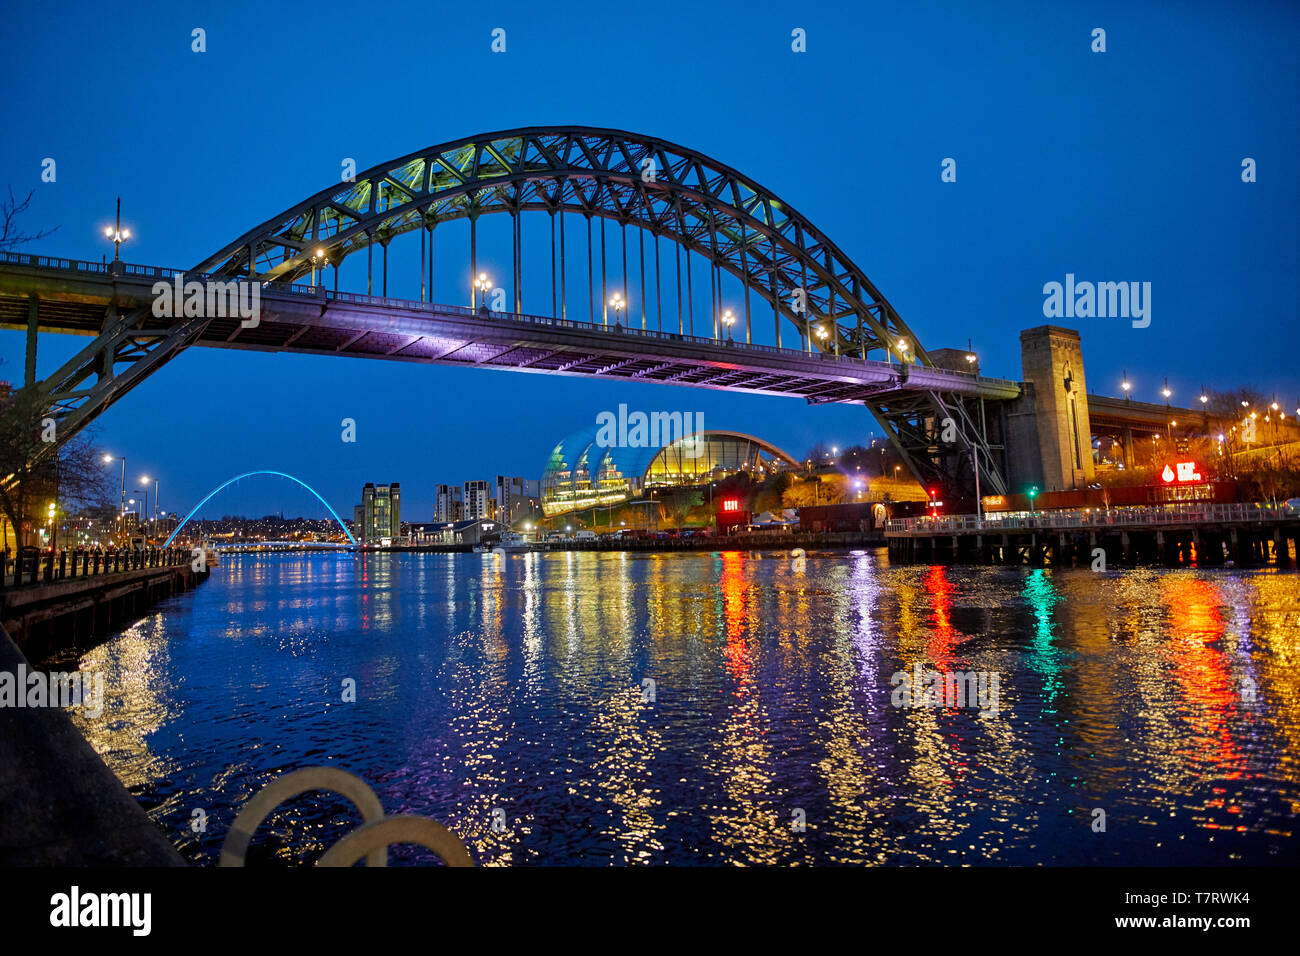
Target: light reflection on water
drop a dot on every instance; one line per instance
(514, 685)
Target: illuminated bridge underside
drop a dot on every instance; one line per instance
(310, 320)
(703, 206)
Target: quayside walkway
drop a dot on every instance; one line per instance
(59, 804)
(59, 603)
(1241, 533)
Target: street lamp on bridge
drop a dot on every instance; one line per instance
(117, 234)
(318, 260)
(728, 319)
(481, 284)
(1126, 385)
(617, 303)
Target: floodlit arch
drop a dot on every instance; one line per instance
(706, 207)
(249, 474)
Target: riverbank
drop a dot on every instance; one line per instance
(59, 804)
(761, 541)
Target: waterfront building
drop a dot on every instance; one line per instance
(516, 498)
(581, 473)
(449, 504)
(479, 502)
(381, 513)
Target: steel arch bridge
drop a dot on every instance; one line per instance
(701, 206)
(249, 474)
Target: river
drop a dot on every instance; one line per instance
(693, 708)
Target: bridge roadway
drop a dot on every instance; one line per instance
(74, 296)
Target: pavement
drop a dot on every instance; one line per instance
(60, 805)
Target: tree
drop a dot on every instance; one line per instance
(32, 475)
(11, 237)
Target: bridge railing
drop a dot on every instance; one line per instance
(1094, 518)
(30, 567)
(298, 289)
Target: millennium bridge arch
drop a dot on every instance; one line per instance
(700, 207)
(249, 474)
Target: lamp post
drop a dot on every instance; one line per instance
(144, 480)
(481, 284)
(117, 234)
(1126, 385)
(618, 305)
(728, 320)
(1166, 393)
(121, 532)
(318, 260)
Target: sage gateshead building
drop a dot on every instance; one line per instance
(582, 473)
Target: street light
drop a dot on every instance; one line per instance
(318, 259)
(970, 354)
(1166, 392)
(145, 480)
(122, 512)
(481, 284)
(618, 305)
(1126, 385)
(728, 319)
(116, 233)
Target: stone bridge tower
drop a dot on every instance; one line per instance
(1051, 360)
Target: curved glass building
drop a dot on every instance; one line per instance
(582, 473)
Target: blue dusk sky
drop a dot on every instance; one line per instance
(1117, 166)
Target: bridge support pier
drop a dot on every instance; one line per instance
(29, 377)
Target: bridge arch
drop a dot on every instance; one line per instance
(704, 206)
(248, 474)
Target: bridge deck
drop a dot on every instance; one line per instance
(72, 297)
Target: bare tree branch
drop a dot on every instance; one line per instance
(10, 235)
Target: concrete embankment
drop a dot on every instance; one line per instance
(729, 542)
(71, 614)
(59, 804)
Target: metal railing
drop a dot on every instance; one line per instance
(30, 567)
(1091, 518)
(319, 291)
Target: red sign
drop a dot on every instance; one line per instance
(731, 504)
(1186, 472)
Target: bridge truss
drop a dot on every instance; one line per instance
(698, 205)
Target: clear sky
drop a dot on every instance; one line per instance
(1117, 166)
